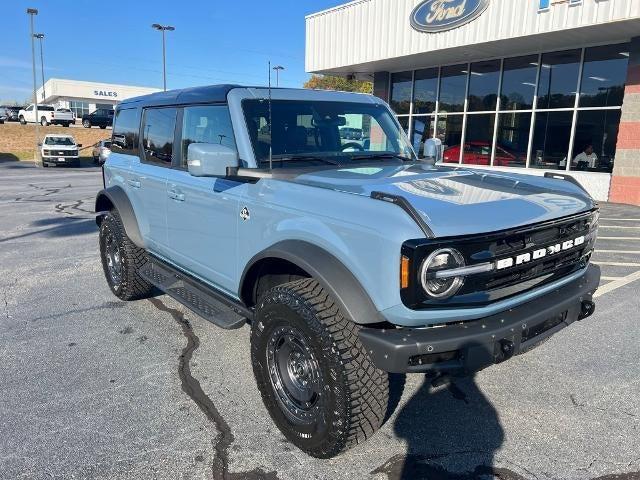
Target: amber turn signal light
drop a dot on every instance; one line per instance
(404, 272)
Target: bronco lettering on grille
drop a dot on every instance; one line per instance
(540, 253)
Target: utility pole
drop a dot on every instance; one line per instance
(277, 68)
(163, 28)
(40, 36)
(32, 12)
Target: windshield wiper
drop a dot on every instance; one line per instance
(382, 156)
(302, 158)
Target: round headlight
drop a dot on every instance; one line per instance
(441, 286)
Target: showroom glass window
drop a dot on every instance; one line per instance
(79, 108)
(519, 83)
(479, 139)
(426, 91)
(421, 132)
(551, 136)
(512, 139)
(604, 75)
(453, 87)
(558, 79)
(483, 86)
(449, 131)
(594, 146)
(158, 130)
(401, 84)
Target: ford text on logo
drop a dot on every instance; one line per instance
(104, 93)
(440, 15)
(537, 254)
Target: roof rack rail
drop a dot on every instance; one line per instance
(564, 176)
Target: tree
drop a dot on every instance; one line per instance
(329, 82)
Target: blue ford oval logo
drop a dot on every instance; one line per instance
(440, 15)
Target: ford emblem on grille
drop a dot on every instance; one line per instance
(540, 253)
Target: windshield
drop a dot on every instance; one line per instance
(59, 141)
(323, 132)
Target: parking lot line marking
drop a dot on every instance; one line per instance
(634, 252)
(626, 227)
(619, 219)
(619, 238)
(618, 264)
(611, 278)
(610, 287)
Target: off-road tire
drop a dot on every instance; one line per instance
(131, 285)
(354, 398)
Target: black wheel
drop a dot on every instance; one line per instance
(121, 260)
(103, 127)
(22, 120)
(43, 122)
(86, 124)
(67, 124)
(96, 160)
(314, 375)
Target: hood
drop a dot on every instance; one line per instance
(458, 201)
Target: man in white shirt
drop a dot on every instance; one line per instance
(587, 157)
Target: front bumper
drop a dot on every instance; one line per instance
(464, 348)
(61, 160)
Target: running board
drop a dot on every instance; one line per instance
(193, 294)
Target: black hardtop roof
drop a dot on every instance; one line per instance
(207, 94)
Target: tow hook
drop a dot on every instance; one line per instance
(587, 307)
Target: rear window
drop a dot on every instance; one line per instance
(124, 138)
(46, 108)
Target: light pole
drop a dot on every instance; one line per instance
(163, 28)
(277, 68)
(32, 12)
(40, 36)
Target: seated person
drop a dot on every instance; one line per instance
(586, 158)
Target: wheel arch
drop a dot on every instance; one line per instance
(116, 197)
(318, 263)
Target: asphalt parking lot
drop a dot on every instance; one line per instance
(92, 387)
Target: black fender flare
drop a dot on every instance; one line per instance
(330, 272)
(115, 196)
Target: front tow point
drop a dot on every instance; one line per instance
(587, 307)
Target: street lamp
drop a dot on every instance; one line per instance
(163, 28)
(40, 36)
(32, 12)
(277, 68)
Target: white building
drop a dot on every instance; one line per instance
(524, 85)
(85, 97)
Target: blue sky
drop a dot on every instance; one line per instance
(112, 41)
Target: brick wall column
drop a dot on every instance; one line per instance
(625, 181)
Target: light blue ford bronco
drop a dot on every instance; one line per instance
(351, 259)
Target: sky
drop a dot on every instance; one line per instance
(112, 41)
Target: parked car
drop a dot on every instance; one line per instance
(101, 151)
(58, 149)
(479, 153)
(47, 115)
(348, 266)
(102, 118)
(349, 133)
(68, 110)
(10, 113)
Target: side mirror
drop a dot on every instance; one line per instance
(79, 145)
(210, 159)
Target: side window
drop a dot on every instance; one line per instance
(29, 108)
(206, 124)
(158, 130)
(124, 138)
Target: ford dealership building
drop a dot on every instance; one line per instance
(85, 97)
(525, 85)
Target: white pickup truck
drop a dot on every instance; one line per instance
(59, 149)
(47, 115)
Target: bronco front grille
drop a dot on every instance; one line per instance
(484, 288)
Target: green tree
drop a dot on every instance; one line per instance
(329, 82)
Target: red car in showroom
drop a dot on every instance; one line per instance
(479, 153)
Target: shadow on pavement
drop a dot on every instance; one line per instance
(452, 433)
(59, 227)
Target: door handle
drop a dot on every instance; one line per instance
(175, 195)
(134, 183)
